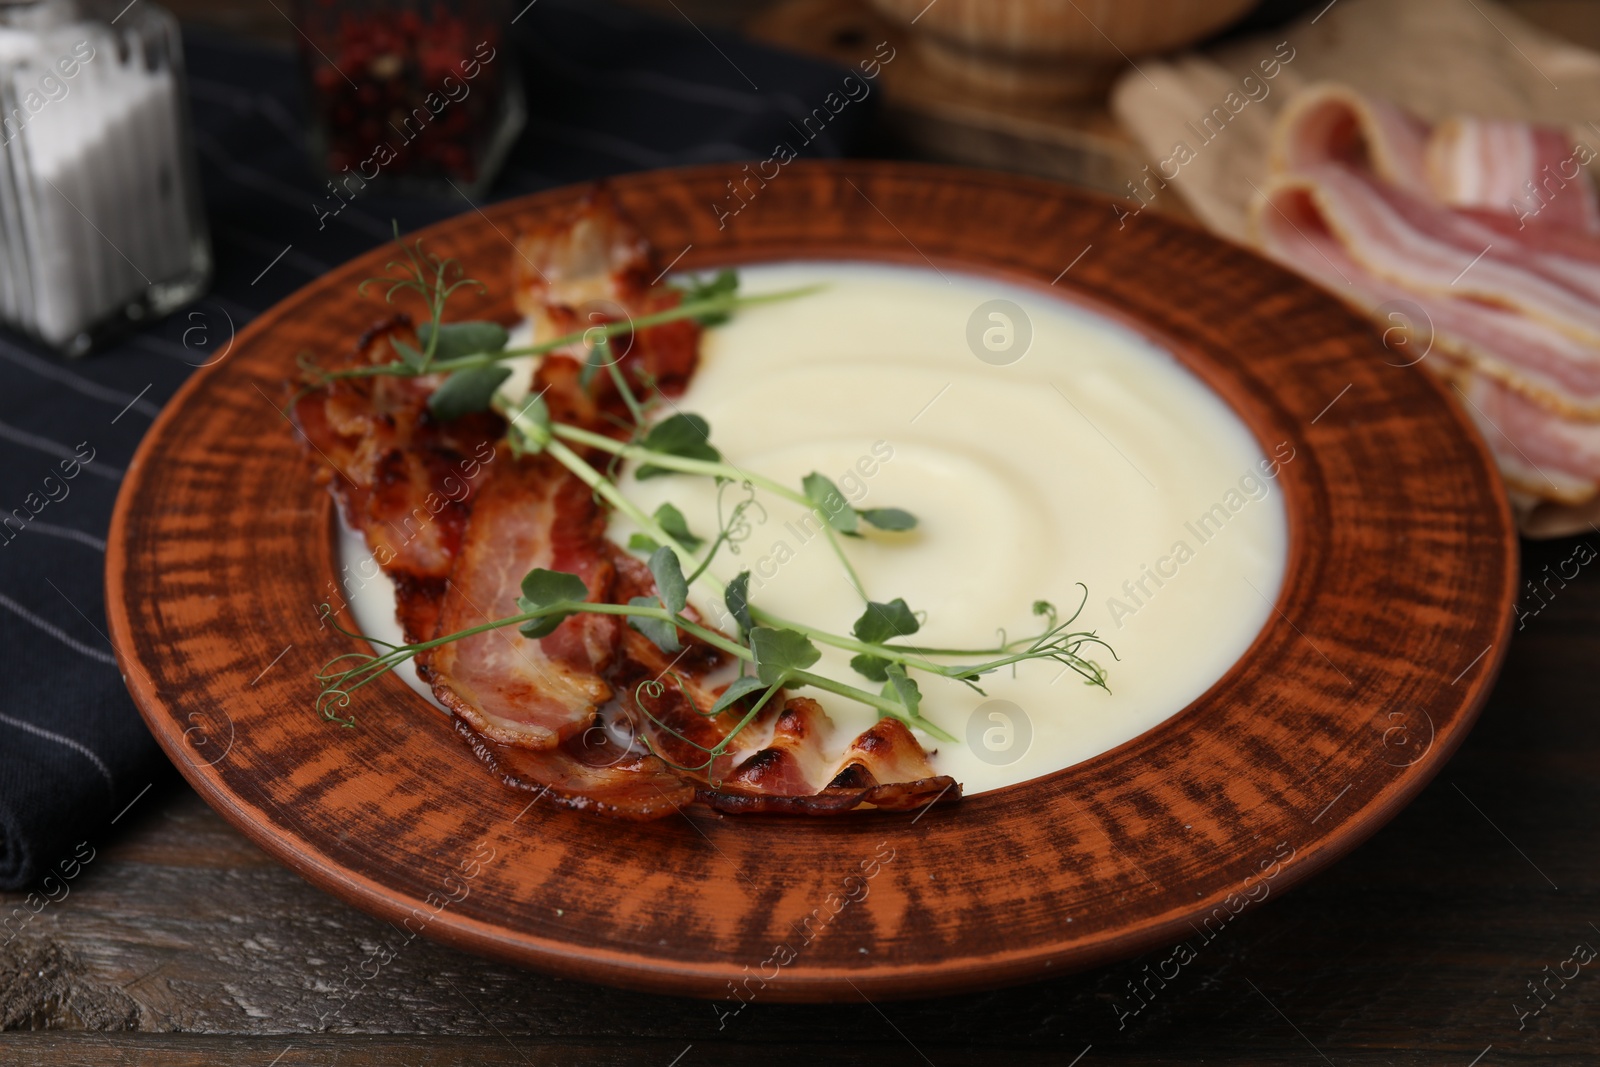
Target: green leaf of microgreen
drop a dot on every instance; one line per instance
(779, 653)
(880, 622)
(528, 428)
(408, 355)
(457, 339)
(672, 521)
(737, 597)
(737, 688)
(545, 588)
(661, 633)
(895, 519)
(599, 355)
(668, 573)
(725, 283)
(834, 507)
(466, 391)
(688, 436)
(874, 667)
(902, 689)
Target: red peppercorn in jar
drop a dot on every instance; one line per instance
(414, 96)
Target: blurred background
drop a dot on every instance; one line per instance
(166, 168)
(928, 113)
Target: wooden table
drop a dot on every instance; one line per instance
(181, 943)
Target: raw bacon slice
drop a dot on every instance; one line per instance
(1522, 353)
(1431, 250)
(1463, 162)
(1420, 174)
(512, 690)
(1461, 221)
(403, 479)
(1535, 172)
(1540, 455)
(1332, 124)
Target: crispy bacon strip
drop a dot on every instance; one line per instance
(586, 773)
(592, 253)
(587, 769)
(884, 767)
(591, 268)
(535, 693)
(665, 697)
(401, 478)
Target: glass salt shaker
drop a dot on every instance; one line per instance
(101, 222)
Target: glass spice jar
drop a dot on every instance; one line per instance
(101, 221)
(414, 96)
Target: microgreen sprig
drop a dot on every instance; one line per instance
(477, 346)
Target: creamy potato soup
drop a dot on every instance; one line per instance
(1039, 445)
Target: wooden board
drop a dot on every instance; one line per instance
(926, 117)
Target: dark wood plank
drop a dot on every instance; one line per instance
(208, 1051)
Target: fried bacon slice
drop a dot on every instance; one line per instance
(587, 772)
(593, 715)
(403, 479)
(535, 693)
(792, 774)
(590, 268)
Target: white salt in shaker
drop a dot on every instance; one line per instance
(101, 223)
